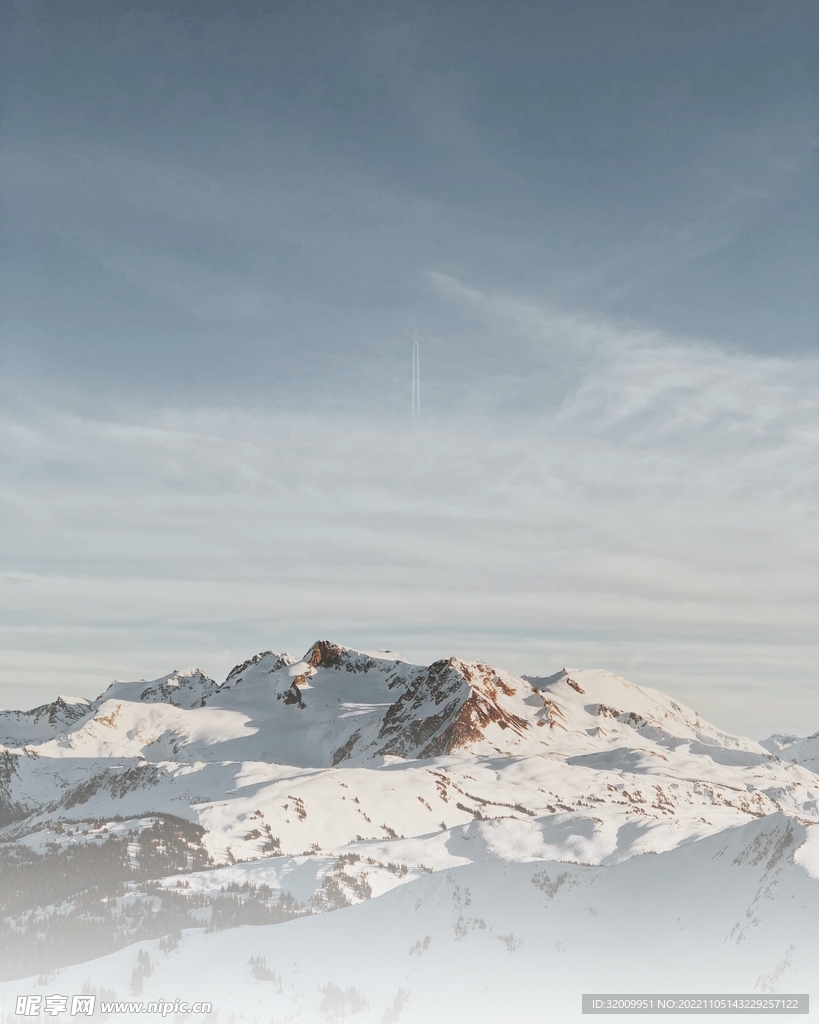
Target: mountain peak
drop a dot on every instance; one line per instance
(184, 688)
(273, 661)
(326, 654)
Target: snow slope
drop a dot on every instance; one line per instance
(497, 941)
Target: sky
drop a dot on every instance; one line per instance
(222, 226)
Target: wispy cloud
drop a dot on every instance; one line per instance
(657, 516)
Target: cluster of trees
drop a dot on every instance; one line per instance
(341, 1002)
(89, 925)
(78, 901)
(29, 879)
(251, 904)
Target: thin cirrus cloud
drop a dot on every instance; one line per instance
(651, 512)
(156, 266)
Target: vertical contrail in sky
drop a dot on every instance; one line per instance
(416, 381)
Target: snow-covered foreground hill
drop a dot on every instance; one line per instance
(508, 941)
(492, 846)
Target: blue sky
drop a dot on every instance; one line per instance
(222, 229)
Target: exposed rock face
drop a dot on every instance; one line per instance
(293, 694)
(183, 689)
(325, 654)
(21, 727)
(475, 716)
(416, 721)
(345, 749)
(447, 708)
(60, 711)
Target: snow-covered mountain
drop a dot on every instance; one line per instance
(798, 749)
(299, 786)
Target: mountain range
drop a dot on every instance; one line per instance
(194, 814)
